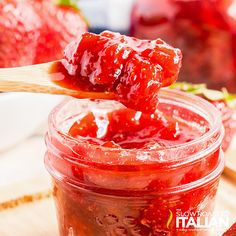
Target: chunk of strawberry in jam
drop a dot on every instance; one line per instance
(86, 127)
(117, 127)
(130, 128)
(167, 58)
(127, 128)
(139, 84)
(97, 58)
(134, 70)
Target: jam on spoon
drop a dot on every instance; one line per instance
(105, 66)
(133, 70)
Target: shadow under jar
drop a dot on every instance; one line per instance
(103, 191)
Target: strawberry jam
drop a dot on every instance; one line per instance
(134, 70)
(117, 171)
(129, 129)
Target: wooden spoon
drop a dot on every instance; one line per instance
(37, 79)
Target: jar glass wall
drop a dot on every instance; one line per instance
(108, 191)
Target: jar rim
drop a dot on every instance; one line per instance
(165, 94)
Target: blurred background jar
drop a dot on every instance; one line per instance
(205, 30)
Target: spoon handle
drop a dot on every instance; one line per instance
(37, 79)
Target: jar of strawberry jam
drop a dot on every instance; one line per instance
(204, 30)
(128, 173)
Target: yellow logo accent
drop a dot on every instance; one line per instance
(169, 219)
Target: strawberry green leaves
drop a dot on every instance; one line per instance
(209, 94)
(187, 87)
(68, 3)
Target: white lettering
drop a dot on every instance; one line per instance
(179, 220)
(191, 222)
(202, 222)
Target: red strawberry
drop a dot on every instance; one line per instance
(36, 31)
(19, 33)
(222, 100)
(61, 23)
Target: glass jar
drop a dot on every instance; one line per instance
(205, 31)
(110, 191)
(228, 116)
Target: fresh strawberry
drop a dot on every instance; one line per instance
(37, 31)
(19, 33)
(222, 100)
(61, 23)
(231, 231)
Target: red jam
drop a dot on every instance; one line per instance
(204, 30)
(117, 171)
(134, 70)
(129, 129)
(121, 172)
